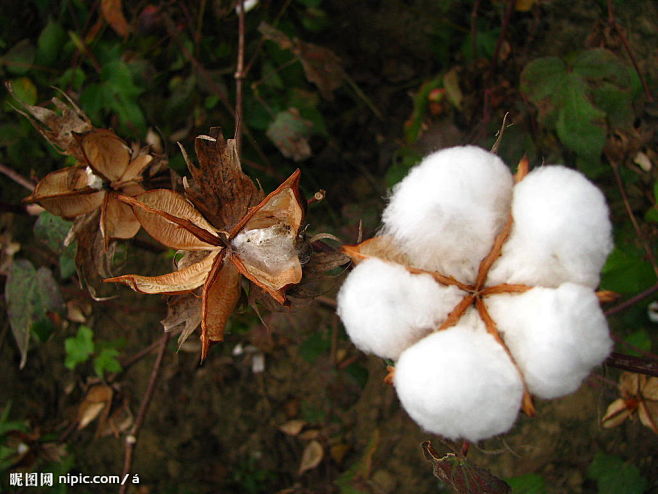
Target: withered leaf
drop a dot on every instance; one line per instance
(98, 399)
(311, 457)
(462, 475)
(113, 13)
(183, 315)
(219, 188)
(321, 66)
(57, 126)
(292, 427)
(289, 131)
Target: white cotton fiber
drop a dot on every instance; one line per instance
(561, 231)
(385, 308)
(459, 383)
(449, 208)
(556, 335)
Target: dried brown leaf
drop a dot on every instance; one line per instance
(117, 219)
(292, 427)
(183, 315)
(58, 127)
(221, 293)
(462, 475)
(311, 457)
(106, 153)
(322, 67)
(616, 414)
(97, 400)
(113, 13)
(67, 193)
(186, 279)
(161, 202)
(219, 188)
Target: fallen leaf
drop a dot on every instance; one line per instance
(97, 400)
(462, 475)
(292, 427)
(113, 13)
(311, 457)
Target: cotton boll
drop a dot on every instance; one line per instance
(561, 231)
(385, 308)
(459, 383)
(556, 335)
(448, 210)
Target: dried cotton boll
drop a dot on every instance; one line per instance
(459, 383)
(556, 335)
(385, 308)
(561, 231)
(448, 210)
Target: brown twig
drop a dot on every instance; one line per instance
(632, 364)
(128, 362)
(503, 32)
(474, 28)
(131, 438)
(239, 79)
(612, 21)
(632, 301)
(17, 177)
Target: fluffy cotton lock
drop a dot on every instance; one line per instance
(555, 335)
(561, 231)
(459, 383)
(448, 209)
(385, 308)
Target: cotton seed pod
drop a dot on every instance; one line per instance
(459, 383)
(447, 211)
(556, 335)
(385, 308)
(561, 231)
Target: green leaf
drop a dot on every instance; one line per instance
(639, 339)
(530, 483)
(106, 361)
(414, 124)
(30, 294)
(616, 103)
(25, 90)
(20, 57)
(579, 124)
(52, 230)
(599, 64)
(543, 77)
(79, 348)
(50, 42)
(314, 346)
(67, 264)
(626, 271)
(614, 476)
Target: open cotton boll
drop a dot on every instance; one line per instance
(459, 383)
(556, 335)
(448, 209)
(385, 308)
(561, 231)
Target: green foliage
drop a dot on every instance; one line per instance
(613, 475)
(639, 339)
(626, 271)
(530, 483)
(52, 230)
(580, 97)
(315, 346)
(81, 348)
(6, 426)
(30, 294)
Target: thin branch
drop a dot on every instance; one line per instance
(620, 185)
(130, 361)
(17, 177)
(474, 28)
(632, 364)
(131, 438)
(612, 20)
(239, 79)
(632, 301)
(503, 33)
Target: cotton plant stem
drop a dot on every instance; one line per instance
(131, 438)
(239, 79)
(633, 364)
(632, 301)
(17, 177)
